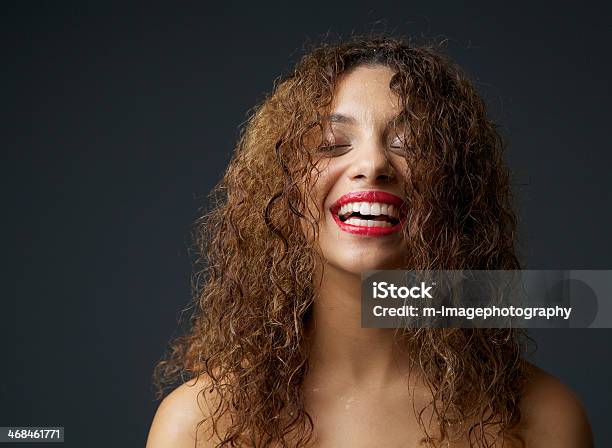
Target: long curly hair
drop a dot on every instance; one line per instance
(254, 272)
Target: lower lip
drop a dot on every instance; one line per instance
(366, 231)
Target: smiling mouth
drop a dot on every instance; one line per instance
(370, 213)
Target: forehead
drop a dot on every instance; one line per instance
(364, 93)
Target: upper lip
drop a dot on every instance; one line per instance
(367, 196)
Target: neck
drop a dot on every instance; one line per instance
(343, 352)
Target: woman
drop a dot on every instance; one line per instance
(371, 154)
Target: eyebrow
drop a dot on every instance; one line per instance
(347, 119)
(343, 119)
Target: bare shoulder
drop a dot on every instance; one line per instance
(552, 414)
(176, 422)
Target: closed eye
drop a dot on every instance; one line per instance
(399, 147)
(334, 149)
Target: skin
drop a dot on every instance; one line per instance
(357, 391)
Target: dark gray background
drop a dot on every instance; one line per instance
(117, 121)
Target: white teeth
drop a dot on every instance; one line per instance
(369, 209)
(367, 222)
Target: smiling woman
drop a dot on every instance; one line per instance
(372, 154)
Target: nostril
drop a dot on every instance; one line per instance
(385, 177)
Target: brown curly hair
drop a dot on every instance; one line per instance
(255, 267)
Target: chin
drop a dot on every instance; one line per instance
(362, 263)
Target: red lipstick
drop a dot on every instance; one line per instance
(369, 196)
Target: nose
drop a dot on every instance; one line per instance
(372, 165)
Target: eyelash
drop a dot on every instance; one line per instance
(332, 148)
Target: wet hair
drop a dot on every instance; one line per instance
(254, 272)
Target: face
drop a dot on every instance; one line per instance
(359, 191)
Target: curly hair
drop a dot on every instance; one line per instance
(254, 272)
